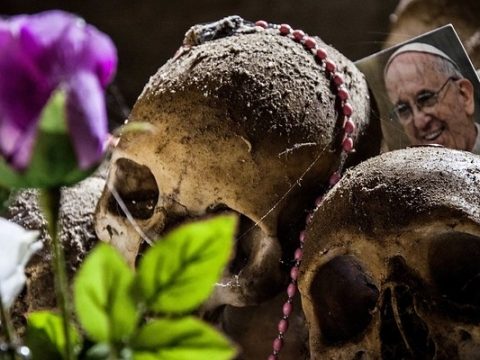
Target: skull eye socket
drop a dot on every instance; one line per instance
(242, 248)
(137, 187)
(455, 268)
(344, 296)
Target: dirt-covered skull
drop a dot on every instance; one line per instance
(243, 119)
(391, 265)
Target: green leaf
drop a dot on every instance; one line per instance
(53, 162)
(104, 306)
(178, 273)
(135, 126)
(180, 339)
(45, 336)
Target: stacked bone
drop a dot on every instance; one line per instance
(243, 120)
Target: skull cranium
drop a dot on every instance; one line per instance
(391, 260)
(246, 123)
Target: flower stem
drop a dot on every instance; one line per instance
(7, 327)
(50, 203)
(113, 353)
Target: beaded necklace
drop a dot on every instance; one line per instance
(345, 111)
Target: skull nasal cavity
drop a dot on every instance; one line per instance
(344, 297)
(137, 188)
(455, 267)
(403, 334)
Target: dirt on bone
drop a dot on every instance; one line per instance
(396, 178)
(257, 86)
(262, 94)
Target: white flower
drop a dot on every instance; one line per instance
(17, 245)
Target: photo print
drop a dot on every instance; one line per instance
(427, 92)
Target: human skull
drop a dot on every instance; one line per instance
(244, 122)
(391, 260)
(416, 17)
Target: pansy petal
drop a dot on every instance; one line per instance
(16, 145)
(60, 38)
(36, 35)
(23, 94)
(20, 84)
(87, 118)
(10, 26)
(68, 49)
(82, 46)
(101, 53)
(49, 26)
(5, 36)
(38, 54)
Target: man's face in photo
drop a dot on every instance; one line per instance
(432, 107)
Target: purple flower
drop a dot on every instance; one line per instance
(42, 53)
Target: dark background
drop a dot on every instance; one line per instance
(148, 32)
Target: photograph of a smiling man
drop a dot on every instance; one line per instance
(427, 92)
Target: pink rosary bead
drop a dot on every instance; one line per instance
(291, 290)
(343, 94)
(349, 127)
(347, 144)
(287, 309)
(309, 218)
(347, 109)
(302, 236)
(283, 326)
(330, 66)
(298, 254)
(294, 273)
(298, 35)
(321, 54)
(262, 24)
(285, 29)
(277, 344)
(309, 43)
(338, 79)
(334, 178)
